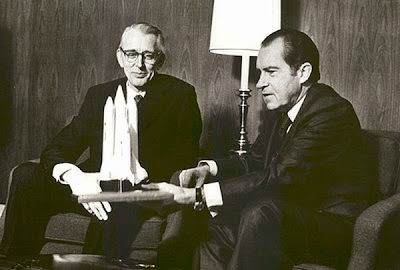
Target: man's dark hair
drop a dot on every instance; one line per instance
(298, 49)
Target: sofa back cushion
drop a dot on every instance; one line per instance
(382, 150)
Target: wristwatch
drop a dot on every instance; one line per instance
(199, 202)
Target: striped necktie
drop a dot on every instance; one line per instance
(285, 123)
(138, 98)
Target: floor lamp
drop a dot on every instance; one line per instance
(238, 28)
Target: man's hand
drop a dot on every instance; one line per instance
(194, 177)
(87, 183)
(185, 196)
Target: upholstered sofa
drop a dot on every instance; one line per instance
(66, 232)
(376, 241)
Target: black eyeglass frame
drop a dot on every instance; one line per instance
(132, 55)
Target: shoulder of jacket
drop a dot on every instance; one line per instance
(171, 80)
(107, 87)
(325, 94)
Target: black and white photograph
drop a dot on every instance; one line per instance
(200, 134)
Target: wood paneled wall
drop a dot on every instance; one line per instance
(51, 51)
(359, 43)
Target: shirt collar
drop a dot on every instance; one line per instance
(294, 111)
(137, 91)
(134, 89)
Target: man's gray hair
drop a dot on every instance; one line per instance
(147, 28)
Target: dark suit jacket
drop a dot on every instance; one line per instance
(169, 128)
(319, 164)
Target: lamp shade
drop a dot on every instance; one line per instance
(239, 26)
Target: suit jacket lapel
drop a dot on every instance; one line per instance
(304, 111)
(153, 104)
(274, 143)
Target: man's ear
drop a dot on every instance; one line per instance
(304, 72)
(120, 57)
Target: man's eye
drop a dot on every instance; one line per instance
(148, 55)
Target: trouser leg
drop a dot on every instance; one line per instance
(258, 238)
(214, 253)
(113, 237)
(121, 229)
(94, 237)
(183, 232)
(245, 238)
(272, 234)
(31, 202)
(217, 245)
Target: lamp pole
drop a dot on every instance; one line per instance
(238, 27)
(244, 94)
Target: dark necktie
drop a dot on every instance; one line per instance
(274, 144)
(285, 123)
(138, 98)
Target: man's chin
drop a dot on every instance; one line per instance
(270, 105)
(137, 82)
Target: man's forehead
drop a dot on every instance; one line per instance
(136, 35)
(271, 52)
(275, 47)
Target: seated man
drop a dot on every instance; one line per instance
(302, 183)
(169, 131)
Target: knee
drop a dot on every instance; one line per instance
(260, 214)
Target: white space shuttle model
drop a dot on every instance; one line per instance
(120, 140)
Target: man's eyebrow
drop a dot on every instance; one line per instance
(134, 51)
(268, 68)
(130, 51)
(146, 51)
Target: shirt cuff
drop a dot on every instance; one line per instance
(212, 164)
(60, 169)
(213, 197)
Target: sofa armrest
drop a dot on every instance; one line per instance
(374, 234)
(10, 177)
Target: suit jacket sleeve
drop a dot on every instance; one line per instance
(188, 149)
(311, 157)
(189, 127)
(254, 160)
(73, 139)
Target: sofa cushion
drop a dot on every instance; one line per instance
(67, 227)
(61, 248)
(150, 233)
(383, 150)
(65, 233)
(308, 266)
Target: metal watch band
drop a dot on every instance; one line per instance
(199, 202)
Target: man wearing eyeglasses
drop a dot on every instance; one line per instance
(169, 124)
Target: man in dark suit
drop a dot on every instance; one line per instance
(169, 131)
(302, 183)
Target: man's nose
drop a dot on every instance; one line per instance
(262, 82)
(139, 61)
